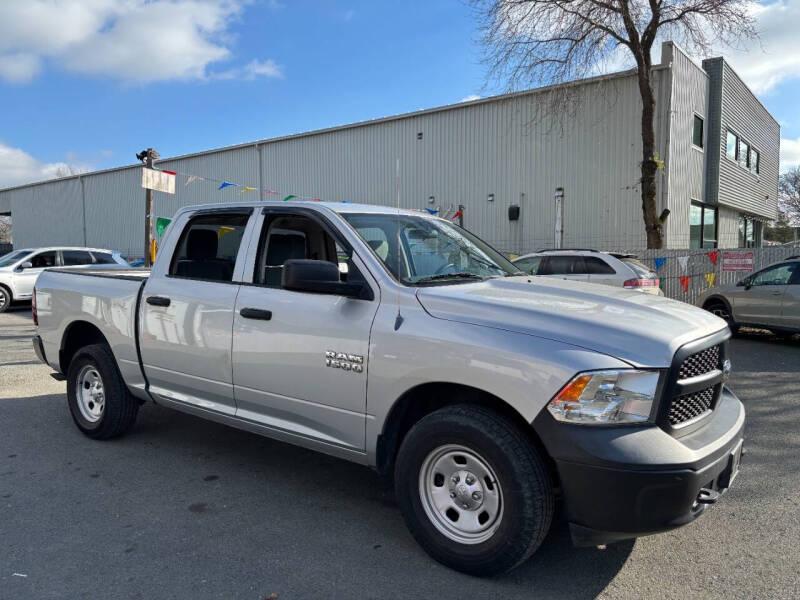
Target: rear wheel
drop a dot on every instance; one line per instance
(100, 403)
(721, 310)
(5, 299)
(474, 491)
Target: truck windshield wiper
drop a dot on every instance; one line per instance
(442, 276)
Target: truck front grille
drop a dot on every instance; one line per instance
(688, 407)
(697, 403)
(700, 363)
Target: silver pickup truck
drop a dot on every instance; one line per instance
(397, 340)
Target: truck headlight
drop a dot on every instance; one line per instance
(606, 398)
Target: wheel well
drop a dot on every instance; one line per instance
(77, 335)
(7, 289)
(717, 300)
(426, 398)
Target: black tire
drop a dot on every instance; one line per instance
(525, 484)
(5, 299)
(120, 407)
(721, 310)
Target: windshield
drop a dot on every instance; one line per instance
(12, 257)
(421, 250)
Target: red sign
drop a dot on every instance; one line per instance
(737, 261)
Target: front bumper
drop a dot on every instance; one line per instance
(624, 482)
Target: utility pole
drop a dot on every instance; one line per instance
(148, 157)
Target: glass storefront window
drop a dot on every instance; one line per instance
(702, 226)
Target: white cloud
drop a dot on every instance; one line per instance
(790, 153)
(774, 58)
(252, 70)
(18, 167)
(20, 67)
(137, 41)
(470, 98)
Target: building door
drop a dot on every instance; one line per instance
(300, 359)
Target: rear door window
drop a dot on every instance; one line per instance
(74, 258)
(597, 266)
(209, 246)
(104, 258)
(642, 270)
(561, 265)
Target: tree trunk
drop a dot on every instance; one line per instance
(652, 224)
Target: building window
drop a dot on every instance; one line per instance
(754, 160)
(749, 232)
(743, 155)
(697, 132)
(731, 144)
(702, 226)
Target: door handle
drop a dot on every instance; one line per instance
(158, 300)
(256, 313)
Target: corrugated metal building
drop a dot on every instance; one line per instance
(719, 145)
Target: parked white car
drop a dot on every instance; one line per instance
(20, 269)
(606, 268)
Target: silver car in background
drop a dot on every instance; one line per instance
(605, 268)
(20, 269)
(769, 298)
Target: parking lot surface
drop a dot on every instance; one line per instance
(186, 508)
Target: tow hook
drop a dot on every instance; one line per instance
(707, 496)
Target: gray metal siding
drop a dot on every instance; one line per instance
(686, 162)
(48, 214)
(713, 67)
(743, 114)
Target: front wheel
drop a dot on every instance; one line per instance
(720, 309)
(100, 403)
(5, 299)
(474, 491)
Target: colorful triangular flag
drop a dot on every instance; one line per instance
(685, 282)
(247, 188)
(192, 178)
(710, 279)
(432, 211)
(225, 184)
(659, 262)
(683, 261)
(713, 256)
(269, 192)
(289, 197)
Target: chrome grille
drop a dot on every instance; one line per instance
(700, 363)
(691, 406)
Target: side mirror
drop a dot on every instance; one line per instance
(26, 265)
(319, 277)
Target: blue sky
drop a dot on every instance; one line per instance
(77, 86)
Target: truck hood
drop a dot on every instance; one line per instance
(642, 329)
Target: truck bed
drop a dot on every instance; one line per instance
(92, 300)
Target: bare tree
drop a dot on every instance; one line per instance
(789, 195)
(543, 42)
(5, 229)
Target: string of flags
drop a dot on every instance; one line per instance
(243, 189)
(683, 262)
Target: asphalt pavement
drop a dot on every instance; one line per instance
(186, 508)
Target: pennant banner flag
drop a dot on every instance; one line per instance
(161, 225)
(457, 214)
(316, 200)
(713, 256)
(710, 278)
(269, 192)
(685, 282)
(683, 261)
(289, 197)
(432, 211)
(168, 172)
(191, 179)
(247, 188)
(225, 184)
(659, 262)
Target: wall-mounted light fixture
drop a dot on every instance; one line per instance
(419, 135)
(490, 198)
(431, 199)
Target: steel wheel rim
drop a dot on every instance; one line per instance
(3, 299)
(460, 494)
(91, 394)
